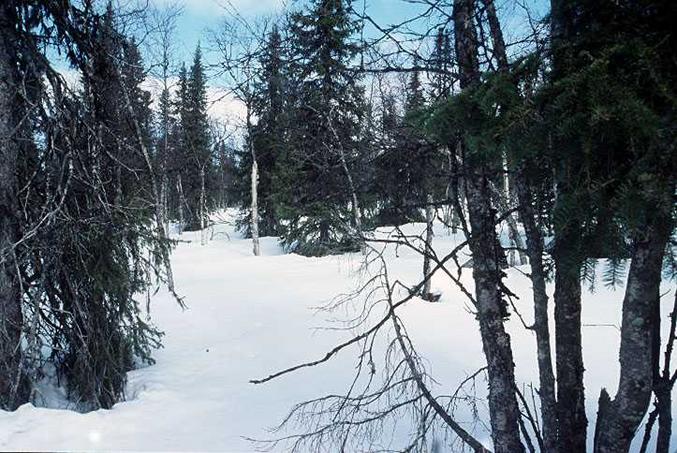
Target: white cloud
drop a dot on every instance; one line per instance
(222, 106)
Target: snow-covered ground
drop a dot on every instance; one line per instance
(249, 316)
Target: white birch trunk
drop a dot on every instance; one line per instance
(513, 232)
(254, 221)
(179, 189)
(203, 230)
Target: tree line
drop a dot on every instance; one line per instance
(568, 144)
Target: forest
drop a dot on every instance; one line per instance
(338, 225)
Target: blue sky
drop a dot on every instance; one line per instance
(200, 16)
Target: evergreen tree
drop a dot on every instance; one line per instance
(406, 170)
(89, 258)
(315, 193)
(177, 159)
(226, 174)
(81, 267)
(194, 161)
(165, 152)
(267, 137)
(442, 62)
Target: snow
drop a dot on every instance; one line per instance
(250, 316)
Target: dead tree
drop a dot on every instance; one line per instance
(240, 44)
(254, 215)
(389, 387)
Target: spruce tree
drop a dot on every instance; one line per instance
(89, 257)
(407, 171)
(194, 161)
(13, 391)
(268, 136)
(442, 62)
(82, 266)
(327, 106)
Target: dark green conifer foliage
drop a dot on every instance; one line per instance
(226, 174)
(96, 282)
(195, 158)
(92, 259)
(269, 136)
(442, 61)
(176, 153)
(314, 201)
(409, 168)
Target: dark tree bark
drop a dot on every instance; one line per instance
(498, 42)
(11, 320)
(663, 391)
(663, 382)
(572, 421)
(504, 412)
(503, 408)
(541, 328)
(618, 419)
(534, 247)
(571, 418)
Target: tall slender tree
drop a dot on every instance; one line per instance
(503, 408)
(326, 113)
(195, 155)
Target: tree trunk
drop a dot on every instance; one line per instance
(164, 196)
(513, 231)
(11, 319)
(203, 208)
(541, 328)
(254, 225)
(502, 201)
(664, 382)
(454, 193)
(496, 34)
(571, 416)
(254, 218)
(179, 190)
(534, 247)
(619, 418)
(572, 421)
(664, 406)
(429, 218)
(503, 409)
(503, 197)
(353, 194)
(324, 232)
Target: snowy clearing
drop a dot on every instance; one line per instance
(249, 316)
